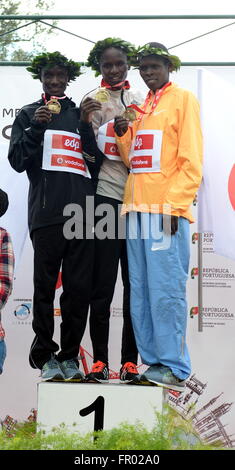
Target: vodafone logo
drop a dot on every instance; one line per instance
(142, 162)
(67, 161)
(231, 187)
(111, 149)
(107, 143)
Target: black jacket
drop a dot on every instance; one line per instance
(49, 191)
(90, 148)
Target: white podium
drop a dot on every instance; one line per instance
(85, 407)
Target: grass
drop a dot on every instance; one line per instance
(170, 432)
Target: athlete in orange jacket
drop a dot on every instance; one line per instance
(163, 149)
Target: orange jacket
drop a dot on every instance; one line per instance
(175, 185)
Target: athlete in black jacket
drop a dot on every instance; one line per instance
(45, 143)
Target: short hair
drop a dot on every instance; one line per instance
(47, 60)
(95, 55)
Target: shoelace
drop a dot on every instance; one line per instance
(70, 362)
(51, 363)
(130, 367)
(98, 366)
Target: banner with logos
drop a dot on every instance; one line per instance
(209, 394)
(217, 193)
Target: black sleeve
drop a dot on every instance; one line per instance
(25, 143)
(89, 145)
(91, 152)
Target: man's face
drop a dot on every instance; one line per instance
(54, 80)
(113, 66)
(154, 72)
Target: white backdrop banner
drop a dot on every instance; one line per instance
(209, 395)
(217, 194)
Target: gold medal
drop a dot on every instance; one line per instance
(102, 95)
(54, 106)
(129, 114)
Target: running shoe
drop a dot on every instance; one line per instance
(163, 376)
(71, 371)
(129, 373)
(99, 373)
(51, 371)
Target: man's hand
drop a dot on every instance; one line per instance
(120, 125)
(42, 114)
(87, 107)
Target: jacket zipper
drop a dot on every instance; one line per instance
(133, 183)
(44, 194)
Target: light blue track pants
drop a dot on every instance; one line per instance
(158, 273)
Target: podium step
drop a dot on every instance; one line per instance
(85, 407)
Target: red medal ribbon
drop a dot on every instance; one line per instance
(137, 108)
(157, 97)
(52, 97)
(125, 83)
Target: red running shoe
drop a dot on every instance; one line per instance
(129, 373)
(99, 373)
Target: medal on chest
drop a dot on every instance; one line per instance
(54, 106)
(102, 95)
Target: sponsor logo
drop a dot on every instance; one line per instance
(144, 142)
(159, 112)
(22, 311)
(65, 143)
(213, 313)
(138, 143)
(110, 130)
(194, 272)
(194, 237)
(214, 273)
(67, 161)
(218, 273)
(10, 114)
(141, 162)
(194, 311)
(208, 237)
(217, 312)
(116, 312)
(111, 149)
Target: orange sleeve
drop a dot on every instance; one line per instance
(189, 157)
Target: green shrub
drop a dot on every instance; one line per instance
(171, 432)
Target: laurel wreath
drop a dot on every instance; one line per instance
(136, 55)
(51, 59)
(93, 60)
